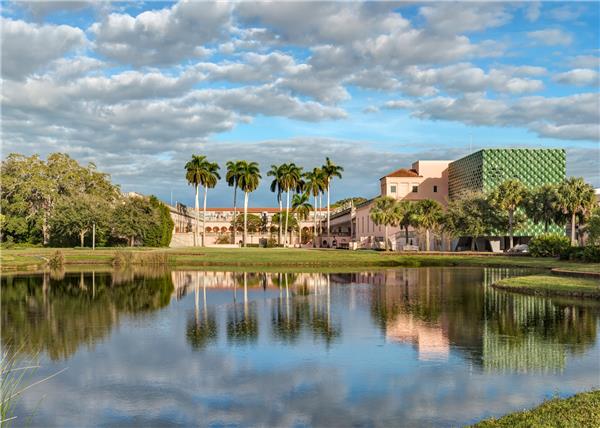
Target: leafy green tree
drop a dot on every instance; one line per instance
(248, 182)
(575, 197)
(593, 227)
(160, 229)
(277, 172)
(76, 217)
(542, 206)
(384, 212)
(427, 215)
(405, 214)
(233, 177)
(330, 171)
(254, 223)
(315, 185)
(471, 216)
(508, 197)
(345, 202)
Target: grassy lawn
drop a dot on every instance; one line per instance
(581, 410)
(34, 258)
(552, 285)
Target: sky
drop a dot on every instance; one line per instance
(139, 87)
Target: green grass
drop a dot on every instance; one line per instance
(35, 258)
(581, 410)
(552, 285)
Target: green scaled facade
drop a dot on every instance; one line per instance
(482, 171)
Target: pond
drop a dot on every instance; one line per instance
(396, 347)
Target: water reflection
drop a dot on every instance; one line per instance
(57, 315)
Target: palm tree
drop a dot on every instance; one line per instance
(427, 215)
(575, 197)
(404, 212)
(384, 212)
(542, 205)
(291, 178)
(301, 207)
(193, 173)
(315, 184)
(233, 178)
(330, 170)
(277, 172)
(507, 197)
(248, 182)
(208, 179)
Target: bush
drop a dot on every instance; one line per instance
(549, 245)
(122, 258)
(56, 260)
(591, 254)
(223, 238)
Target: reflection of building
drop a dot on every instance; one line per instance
(429, 339)
(446, 180)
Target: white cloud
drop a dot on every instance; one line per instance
(532, 12)
(585, 61)
(567, 12)
(551, 37)
(28, 47)
(453, 18)
(578, 77)
(161, 37)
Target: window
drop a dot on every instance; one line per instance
(415, 189)
(434, 189)
(393, 188)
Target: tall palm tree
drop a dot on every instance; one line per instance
(291, 178)
(248, 182)
(277, 172)
(233, 178)
(208, 179)
(427, 215)
(542, 204)
(330, 170)
(507, 197)
(301, 207)
(385, 212)
(315, 184)
(575, 197)
(193, 174)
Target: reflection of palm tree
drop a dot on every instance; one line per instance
(201, 331)
(320, 321)
(287, 316)
(242, 326)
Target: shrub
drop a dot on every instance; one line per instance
(591, 253)
(549, 245)
(56, 260)
(572, 253)
(122, 258)
(223, 238)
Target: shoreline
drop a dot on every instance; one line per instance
(35, 259)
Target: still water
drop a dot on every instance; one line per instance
(400, 347)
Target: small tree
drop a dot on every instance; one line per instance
(427, 215)
(542, 206)
(575, 197)
(384, 212)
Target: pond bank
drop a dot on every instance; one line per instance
(552, 285)
(32, 259)
(580, 410)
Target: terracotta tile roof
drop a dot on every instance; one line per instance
(250, 210)
(403, 172)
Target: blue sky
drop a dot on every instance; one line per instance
(138, 87)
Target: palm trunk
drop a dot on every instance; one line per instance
(81, 237)
(234, 209)
(287, 210)
(386, 237)
(280, 217)
(546, 226)
(473, 240)
(204, 216)
(320, 208)
(510, 228)
(328, 216)
(315, 223)
(426, 239)
(131, 241)
(245, 217)
(197, 220)
(406, 234)
(573, 240)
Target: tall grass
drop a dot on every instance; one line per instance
(56, 260)
(123, 258)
